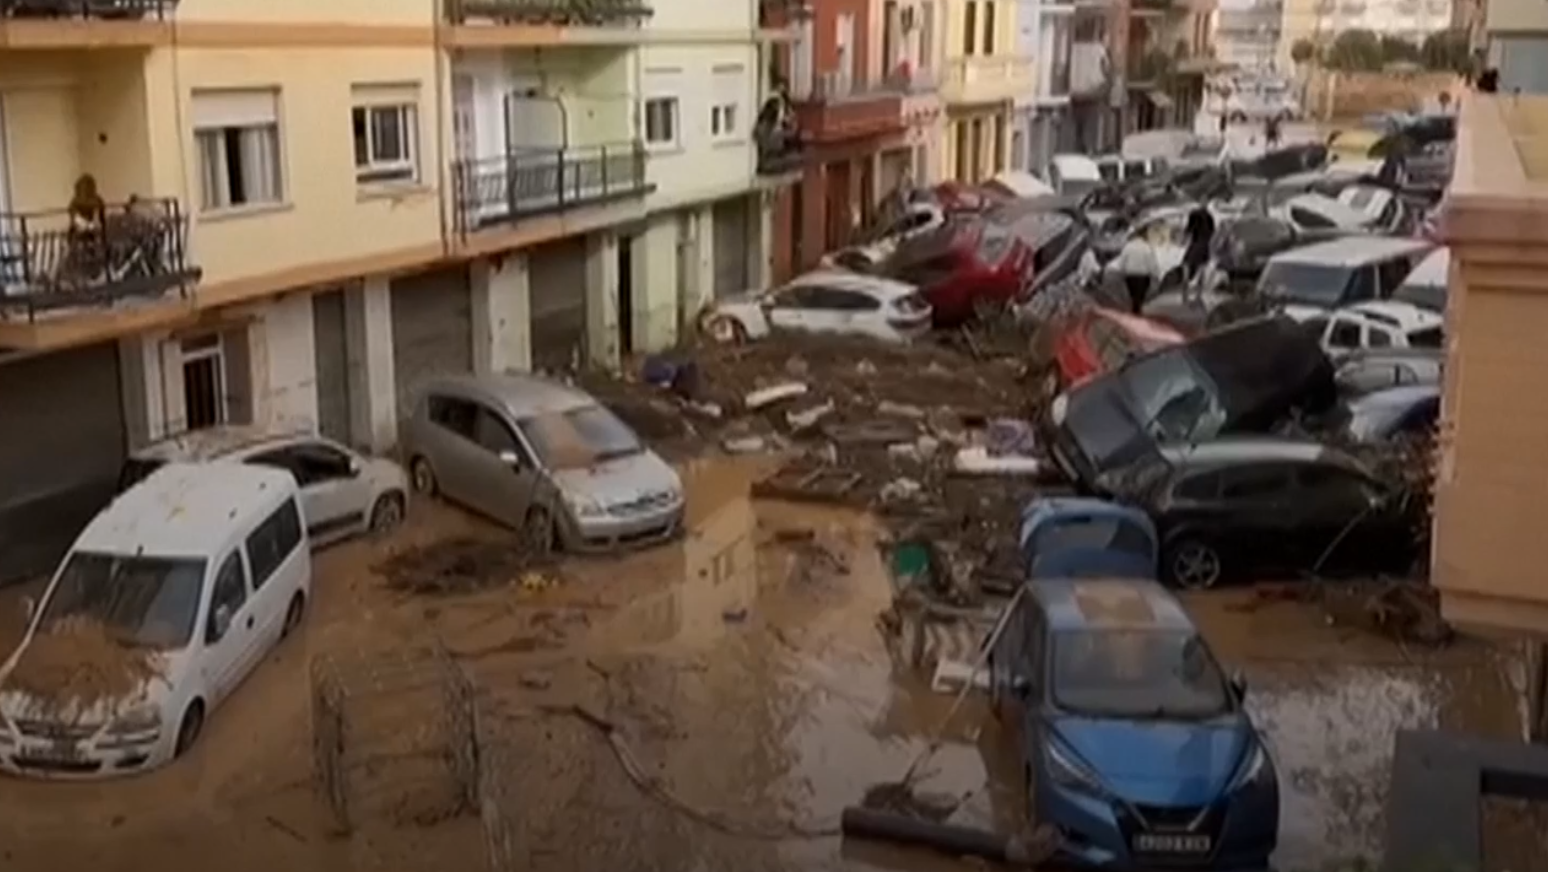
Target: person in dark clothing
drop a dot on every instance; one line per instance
(1489, 81)
(1271, 132)
(1200, 232)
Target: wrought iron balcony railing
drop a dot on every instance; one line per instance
(567, 13)
(62, 259)
(542, 181)
(97, 9)
(780, 151)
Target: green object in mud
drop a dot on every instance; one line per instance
(911, 563)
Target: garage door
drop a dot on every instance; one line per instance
(730, 254)
(557, 273)
(60, 455)
(332, 365)
(432, 330)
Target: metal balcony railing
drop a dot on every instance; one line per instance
(539, 181)
(61, 259)
(780, 150)
(584, 13)
(90, 9)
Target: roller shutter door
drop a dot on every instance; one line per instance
(731, 244)
(557, 273)
(432, 330)
(332, 365)
(61, 453)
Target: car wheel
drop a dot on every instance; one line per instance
(1193, 564)
(726, 330)
(293, 614)
(537, 534)
(188, 731)
(387, 513)
(423, 477)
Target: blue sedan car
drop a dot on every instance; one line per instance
(1137, 751)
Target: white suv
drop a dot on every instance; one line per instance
(1377, 324)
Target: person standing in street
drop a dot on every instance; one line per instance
(1271, 132)
(1200, 233)
(1137, 264)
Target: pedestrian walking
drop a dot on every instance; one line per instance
(1489, 81)
(1137, 264)
(1200, 233)
(1271, 132)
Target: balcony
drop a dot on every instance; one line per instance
(837, 109)
(780, 150)
(983, 80)
(45, 24)
(517, 23)
(525, 183)
(1090, 69)
(57, 260)
(1148, 66)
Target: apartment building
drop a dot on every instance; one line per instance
(1320, 21)
(1249, 36)
(1515, 36)
(228, 211)
(861, 77)
(1170, 51)
(1044, 31)
(986, 82)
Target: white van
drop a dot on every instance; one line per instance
(199, 570)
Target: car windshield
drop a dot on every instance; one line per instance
(1173, 397)
(1137, 673)
(150, 602)
(1093, 533)
(579, 438)
(1314, 284)
(1102, 423)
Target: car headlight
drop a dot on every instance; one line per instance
(140, 719)
(1255, 769)
(1059, 408)
(1065, 770)
(583, 506)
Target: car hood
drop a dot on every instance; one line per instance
(16, 705)
(622, 481)
(1160, 762)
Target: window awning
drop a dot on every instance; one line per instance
(1159, 99)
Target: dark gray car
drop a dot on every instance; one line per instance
(543, 458)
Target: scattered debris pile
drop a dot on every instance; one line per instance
(1406, 611)
(81, 665)
(465, 565)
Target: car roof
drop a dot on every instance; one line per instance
(880, 287)
(1108, 604)
(521, 394)
(1435, 269)
(212, 442)
(1405, 316)
(1244, 449)
(1343, 213)
(1351, 251)
(186, 509)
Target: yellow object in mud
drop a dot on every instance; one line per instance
(536, 581)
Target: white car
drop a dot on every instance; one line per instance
(197, 572)
(826, 301)
(1313, 213)
(344, 493)
(863, 259)
(1377, 324)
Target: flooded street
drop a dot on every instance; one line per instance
(748, 687)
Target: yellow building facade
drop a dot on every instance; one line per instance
(286, 212)
(985, 81)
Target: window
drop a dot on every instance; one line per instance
(1334, 485)
(226, 599)
(452, 414)
(661, 121)
(838, 300)
(386, 127)
(723, 121)
(1379, 338)
(273, 541)
(1254, 482)
(1311, 220)
(492, 434)
(969, 28)
(1345, 334)
(238, 143)
(725, 117)
(989, 27)
(1430, 337)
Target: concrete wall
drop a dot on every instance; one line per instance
(698, 166)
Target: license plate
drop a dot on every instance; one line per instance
(61, 751)
(1171, 843)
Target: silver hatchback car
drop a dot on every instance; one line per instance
(543, 458)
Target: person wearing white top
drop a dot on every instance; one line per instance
(1137, 264)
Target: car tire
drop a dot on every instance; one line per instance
(1190, 563)
(725, 330)
(189, 728)
(422, 477)
(293, 614)
(537, 532)
(387, 513)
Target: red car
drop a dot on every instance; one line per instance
(962, 266)
(1102, 340)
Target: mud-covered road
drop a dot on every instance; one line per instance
(751, 691)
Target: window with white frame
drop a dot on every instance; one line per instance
(662, 121)
(238, 137)
(385, 121)
(725, 110)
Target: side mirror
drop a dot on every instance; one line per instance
(510, 459)
(354, 467)
(1239, 685)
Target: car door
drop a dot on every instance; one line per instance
(271, 550)
(447, 440)
(511, 474)
(229, 627)
(858, 313)
(333, 495)
(1344, 335)
(1255, 499)
(1342, 527)
(793, 309)
(1377, 336)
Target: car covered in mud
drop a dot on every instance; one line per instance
(1080, 537)
(1135, 744)
(1099, 340)
(166, 602)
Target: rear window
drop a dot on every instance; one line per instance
(136, 470)
(1314, 284)
(1429, 338)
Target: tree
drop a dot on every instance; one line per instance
(1447, 51)
(1353, 51)
(1397, 50)
(1304, 51)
